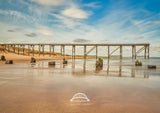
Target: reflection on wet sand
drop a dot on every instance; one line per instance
(109, 71)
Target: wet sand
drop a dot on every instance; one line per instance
(119, 88)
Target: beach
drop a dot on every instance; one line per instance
(120, 87)
(20, 58)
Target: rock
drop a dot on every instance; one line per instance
(151, 66)
(138, 63)
(33, 60)
(99, 63)
(9, 62)
(53, 63)
(65, 61)
(3, 58)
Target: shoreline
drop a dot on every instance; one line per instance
(26, 59)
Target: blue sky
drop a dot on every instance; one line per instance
(92, 21)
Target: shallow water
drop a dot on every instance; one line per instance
(119, 88)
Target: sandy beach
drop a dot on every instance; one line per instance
(39, 88)
(26, 59)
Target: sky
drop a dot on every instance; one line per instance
(81, 21)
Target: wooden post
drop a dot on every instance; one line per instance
(84, 51)
(18, 49)
(96, 51)
(108, 51)
(28, 49)
(145, 47)
(33, 49)
(5, 47)
(134, 52)
(50, 50)
(14, 48)
(148, 52)
(53, 50)
(43, 49)
(11, 47)
(23, 49)
(120, 52)
(61, 50)
(73, 51)
(8, 48)
(39, 50)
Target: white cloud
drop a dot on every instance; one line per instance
(93, 5)
(156, 22)
(75, 13)
(13, 13)
(45, 31)
(66, 22)
(49, 2)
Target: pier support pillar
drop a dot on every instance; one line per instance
(148, 52)
(145, 49)
(14, 48)
(63, 51)
(120, 52)
(18, 49)
(28, 50)
(50, 47)
(134, 52)
(32, 49)
(8, 48)
(43, 49)
(5, 47)
(73, 52)
(96, 51)
(23, 49)
(53, 50)
(108, 51)
(39, 50)
(84, 51)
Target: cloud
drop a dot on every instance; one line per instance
(66, 22)
(49, 2)
(75, 13)
(31, 35)
(93, 5)
(10, 30)
(80, 41)
(17, 17)
(45, 31)
(15, 30)
(156, 22)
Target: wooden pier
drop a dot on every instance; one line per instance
(119, 47)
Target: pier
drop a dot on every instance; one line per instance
(11, 47)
